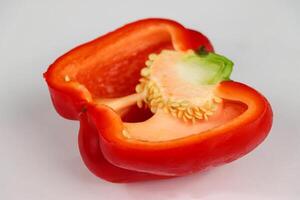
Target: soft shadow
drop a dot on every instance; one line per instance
(53, 138)
(240, 178)
(54, 141)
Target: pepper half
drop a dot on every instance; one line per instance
(177, 115)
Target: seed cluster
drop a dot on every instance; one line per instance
(181, 109)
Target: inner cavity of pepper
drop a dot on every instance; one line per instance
(175, 97)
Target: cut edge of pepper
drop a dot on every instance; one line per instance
(257, 107)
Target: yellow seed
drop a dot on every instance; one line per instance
(202, 109)
(149, 85)
(67, 78)
(199, 115)
(189, 111)
(153, 109)
(187, 115)
(217, 99)
(207, 105)
(142, 80)
(197, 109)
(181, 108)
(160, 98)
(151, 91)
(185, 119)
(145, 72)
(175, 104)
(154, 102)
(180, 114)
(155, 90)
(173, 113)
(152, 56)
(170, 100)
(125, 133)
(184, 103)
(148, 63)
(166, 110)
(205, 117)
(160, 104)
(139, 104)
(156, 96)
(170, 109)
(150, 99)
(138, 88)
(146, 99)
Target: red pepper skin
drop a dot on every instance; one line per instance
(93, 158)
(193, 153)
(73, 101)
(70, 99)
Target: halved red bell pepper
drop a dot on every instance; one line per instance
(89, 82)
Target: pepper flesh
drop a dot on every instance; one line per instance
(177, 157)
(108, 67)
(93, 157)
(108, 57)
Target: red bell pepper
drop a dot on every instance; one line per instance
(94, 83)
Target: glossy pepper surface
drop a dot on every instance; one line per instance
(96, 83)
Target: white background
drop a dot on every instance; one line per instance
(39, 156)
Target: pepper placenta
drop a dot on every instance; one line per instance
(154, 101)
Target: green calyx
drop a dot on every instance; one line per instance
(204, 68)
